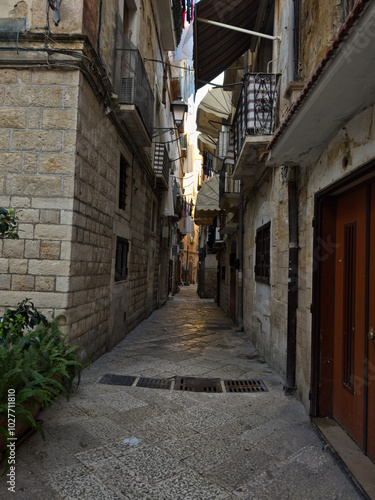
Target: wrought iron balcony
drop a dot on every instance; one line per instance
(254, 121)
(136, 98)
(161, 165)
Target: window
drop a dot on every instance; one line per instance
(262, 253)
(121, 268)
(122, 183)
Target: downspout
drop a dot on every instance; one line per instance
(292, 41)
(290, 385)
(240, 264)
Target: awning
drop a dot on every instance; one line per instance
(214, 109)
(167, 205)
(205, 142)
(216, 48)
(207, 204)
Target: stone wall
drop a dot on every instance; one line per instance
(61, 174)
(320, 21)
(38, 122)
(265, 305)
(71, 13)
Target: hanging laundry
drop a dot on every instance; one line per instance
(183, 5)
(192, 11)
(188, 7)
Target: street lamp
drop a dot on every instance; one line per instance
(179, 108)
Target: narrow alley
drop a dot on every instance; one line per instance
(130, 442)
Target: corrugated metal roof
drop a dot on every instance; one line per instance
(216, 48)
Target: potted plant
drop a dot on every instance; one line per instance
(36, 365)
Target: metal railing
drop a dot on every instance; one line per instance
(228, 185)
(161, 161)
(256, 110)
(131, 81)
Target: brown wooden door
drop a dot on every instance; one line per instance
(353, 390)
(371, 343)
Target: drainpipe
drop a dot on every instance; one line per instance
(292, 42)
(290, 385)
(240, 267)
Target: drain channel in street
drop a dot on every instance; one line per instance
(190, 384)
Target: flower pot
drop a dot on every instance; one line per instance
(22, 426)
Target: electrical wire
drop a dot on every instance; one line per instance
(168, 64)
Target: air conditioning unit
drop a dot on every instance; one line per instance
(127, 90)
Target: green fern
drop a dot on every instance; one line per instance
(38, 367)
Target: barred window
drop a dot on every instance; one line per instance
(122, 183)
(262, 253)
(121, 267)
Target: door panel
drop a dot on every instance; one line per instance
(371, 343)
(349, 329)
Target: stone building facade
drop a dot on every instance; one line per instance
(304, 235)
(77, 163)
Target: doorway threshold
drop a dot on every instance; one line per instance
(359, 467)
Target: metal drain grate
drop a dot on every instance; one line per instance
(198, 384)
(256, 385)
(154, 383)
(111, 379)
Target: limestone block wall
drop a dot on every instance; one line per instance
(101, 310)
(225, 279)
(38, 122)
(265, 305)
(59, 169)
(320, 21)
(71, 13)
(210, 275)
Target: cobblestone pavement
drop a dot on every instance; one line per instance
(122, 442)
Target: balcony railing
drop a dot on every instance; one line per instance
(131, 80)
(161, 165)
(228, 185)
(256, 108)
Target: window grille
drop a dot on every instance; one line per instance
(121, 268)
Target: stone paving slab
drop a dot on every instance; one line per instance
(122, 442)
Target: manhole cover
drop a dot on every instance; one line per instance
(110, 379)
(154, 383)
(198, 384)
(256, 385)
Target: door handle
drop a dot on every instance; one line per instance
(371, 334)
